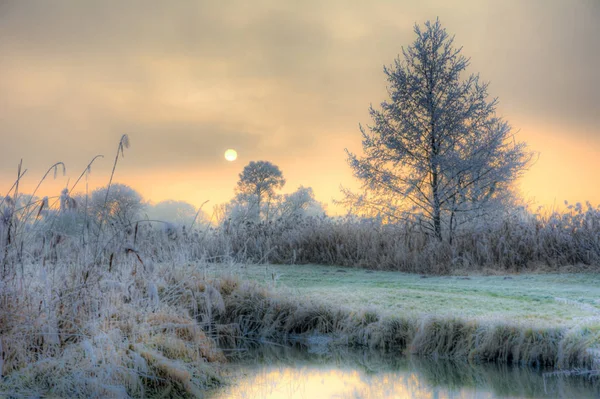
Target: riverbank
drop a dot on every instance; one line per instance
(253, 311)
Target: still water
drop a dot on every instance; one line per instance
(277, 372)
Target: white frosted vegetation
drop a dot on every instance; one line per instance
(109, 335)
(514, 241)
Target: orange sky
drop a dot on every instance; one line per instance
(282, 81)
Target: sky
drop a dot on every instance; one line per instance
(277, 80)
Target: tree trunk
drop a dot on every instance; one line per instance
(451, 234)
(437, 219)
(258, 195)
(435, 146)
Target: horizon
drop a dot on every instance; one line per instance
(280, 82)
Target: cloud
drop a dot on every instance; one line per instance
(177, 145)
(273, 78)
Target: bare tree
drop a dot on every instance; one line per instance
(257, 185)
(436, 149)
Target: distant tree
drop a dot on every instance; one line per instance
(122, 206)
(436, 149)
(300, 203)
(257, 185)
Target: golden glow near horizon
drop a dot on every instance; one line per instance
(286, 82)
(231, 155)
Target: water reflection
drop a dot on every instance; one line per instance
(275, 372)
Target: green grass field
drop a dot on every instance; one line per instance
(565, 300)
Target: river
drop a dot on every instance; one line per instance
(294, 372)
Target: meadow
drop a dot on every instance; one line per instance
(565, 300)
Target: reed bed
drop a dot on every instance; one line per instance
(72, 333)
(513, 242)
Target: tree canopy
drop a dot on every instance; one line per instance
(436, 150)
(257, 185)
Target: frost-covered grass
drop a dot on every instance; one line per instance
(558, 300)
(68, 331)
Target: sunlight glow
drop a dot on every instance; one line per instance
(231, 155)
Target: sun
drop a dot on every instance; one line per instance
(231, 155)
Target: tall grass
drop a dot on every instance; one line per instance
(68, 331)
(80, 312)
(518, 242)
(521, 241)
